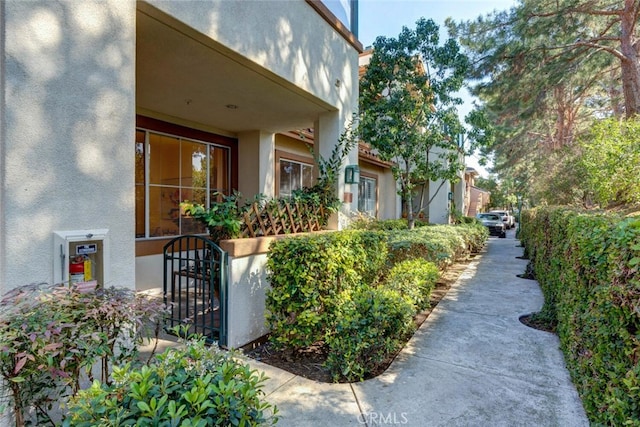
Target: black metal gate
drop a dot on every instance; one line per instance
(195, 287)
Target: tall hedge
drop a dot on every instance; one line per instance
(587, 266)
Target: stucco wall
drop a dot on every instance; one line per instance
(290, 39)
(286, 37)
(388, 199)
(439, 206)
(67, 129)
(246, 295)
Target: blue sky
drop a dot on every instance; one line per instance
(387, 17)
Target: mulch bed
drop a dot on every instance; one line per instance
(535, 321)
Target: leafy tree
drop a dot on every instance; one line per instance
(408, 107)
(544, 69)
(503, 193)
(611, 161)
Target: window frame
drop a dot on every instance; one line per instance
(371, 177)
(153, 245)
(293, 158)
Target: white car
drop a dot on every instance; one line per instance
(494, 224)
(507, 218)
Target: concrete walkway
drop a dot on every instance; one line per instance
(472, 363)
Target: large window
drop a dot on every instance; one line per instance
(171, 169)
(368, 196)
(294, 176)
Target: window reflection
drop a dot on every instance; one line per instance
(179, 169)
(368, 196)
(294, 176)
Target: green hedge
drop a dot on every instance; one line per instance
(414, 280)
(370, 326)
(307, 275)
(317, 280)
(587, 266)
(440, 244)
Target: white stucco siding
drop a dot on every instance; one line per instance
(246, 297)
(439, 206)
(67, 130)
(286, 37)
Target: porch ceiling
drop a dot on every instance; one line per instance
(181, 73)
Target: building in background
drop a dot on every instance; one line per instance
(477, 200)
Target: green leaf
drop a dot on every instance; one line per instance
(144, 407)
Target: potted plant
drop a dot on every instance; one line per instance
(223, 219)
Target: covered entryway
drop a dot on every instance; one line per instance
(195, 288)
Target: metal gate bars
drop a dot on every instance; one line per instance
(195, 285)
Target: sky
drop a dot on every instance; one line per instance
(387, 17)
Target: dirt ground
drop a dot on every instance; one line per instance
(309, 363)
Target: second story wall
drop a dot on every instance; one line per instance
(288, 38)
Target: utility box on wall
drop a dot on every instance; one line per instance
(81, 256)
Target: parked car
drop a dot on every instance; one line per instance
(494, 223)
(507, 218)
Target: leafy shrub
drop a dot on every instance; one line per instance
(475, 235)
(308, 273)
(414, 280)
(370, 326)
(191, 385)
(587, 265)
(438, 244)
(469, 220)
(317, 280)
(379, 225)
(222, 218)
(52, 336)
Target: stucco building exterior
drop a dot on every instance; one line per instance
(114, 110)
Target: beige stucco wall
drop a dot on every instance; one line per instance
(293, 146)
(246, 298)
(290, 39)
(68, 112)
(68, 121)
(388, 199)
(255, 164)
(286, 37)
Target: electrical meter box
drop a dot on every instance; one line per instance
(81, 257)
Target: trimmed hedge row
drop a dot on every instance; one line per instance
(587, 266)
(357, 290)
(310, 274)
(440, 244)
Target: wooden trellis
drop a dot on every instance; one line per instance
(272, 219)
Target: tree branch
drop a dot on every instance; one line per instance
(597, 46)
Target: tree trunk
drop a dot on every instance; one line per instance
(615, 94)
(408, 193)
(630, 66)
